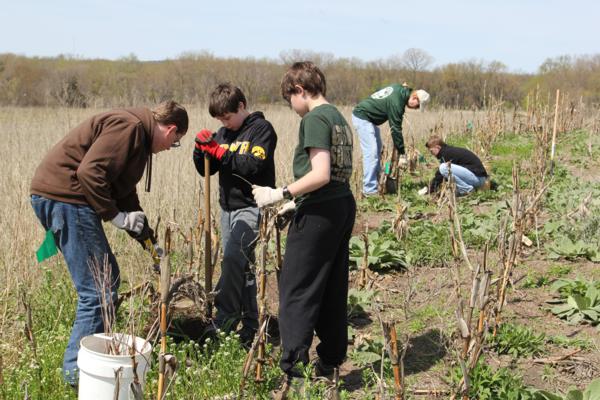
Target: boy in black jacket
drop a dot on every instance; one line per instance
(467, 169)
(244, 146)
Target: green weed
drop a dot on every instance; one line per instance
(592, 392)
(489, 384)
(566, 342)
(358, 301)
(428, 243)
(579, 301)
(518, 341)
(384, 251)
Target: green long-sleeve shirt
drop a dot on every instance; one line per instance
(383, 105)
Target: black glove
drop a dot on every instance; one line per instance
(145, 234)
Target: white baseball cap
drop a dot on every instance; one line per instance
(423, 97)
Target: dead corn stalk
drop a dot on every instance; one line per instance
(362, 280)
(473, 331)
(510, 243)
(553, 148)
(266, 222)
(455, 227)
(472, 334)
(400, 223)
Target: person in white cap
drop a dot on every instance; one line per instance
(386, 104)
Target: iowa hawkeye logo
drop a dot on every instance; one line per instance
(242, 148)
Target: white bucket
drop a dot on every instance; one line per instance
(97, 369)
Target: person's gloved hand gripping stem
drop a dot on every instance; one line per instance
(318, 177)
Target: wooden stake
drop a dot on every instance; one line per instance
(207, 237)
(165, 282)
(395, 363)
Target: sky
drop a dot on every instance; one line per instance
(521, 34)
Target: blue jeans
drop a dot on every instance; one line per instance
(466, 181)
(370, 143)
(236, 297)
(79, 235)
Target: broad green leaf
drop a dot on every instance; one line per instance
(574, 395)
(593, 391)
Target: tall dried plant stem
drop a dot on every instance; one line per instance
(165, 283)
(264, 234)
(394, 355)
(451, 196)
(103, 280)
(362, 281)
(552, 151)
(29, 327)
(208, 272)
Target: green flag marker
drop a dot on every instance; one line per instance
(48, 247)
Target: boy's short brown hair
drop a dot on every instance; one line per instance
(171, 113)
(434, 140)
(306, 75)
(226, 98)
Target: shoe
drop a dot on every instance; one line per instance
(247, 337)
(323, 370)
(291, 384)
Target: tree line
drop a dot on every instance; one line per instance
(75, 82)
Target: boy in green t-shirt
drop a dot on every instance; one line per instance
(386, 104)
(313, 285)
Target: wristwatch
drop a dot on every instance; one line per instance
(286, 193)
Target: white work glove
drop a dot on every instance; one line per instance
(130, 221)
(423, 191)
(264, 195)
(286, 208)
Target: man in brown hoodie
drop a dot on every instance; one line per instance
(88, 177)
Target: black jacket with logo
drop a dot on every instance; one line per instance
(250, 154)
(459, 156)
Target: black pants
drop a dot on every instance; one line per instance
(313, 286)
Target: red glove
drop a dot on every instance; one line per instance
(206, 143)
(203, 137)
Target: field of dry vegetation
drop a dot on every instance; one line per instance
(418, 273)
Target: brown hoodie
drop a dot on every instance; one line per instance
(99, 162)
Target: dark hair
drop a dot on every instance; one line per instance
(434, 140)
(171, 113)
(226, 98)
(306, 75)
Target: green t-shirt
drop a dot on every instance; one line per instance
(324, 127)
